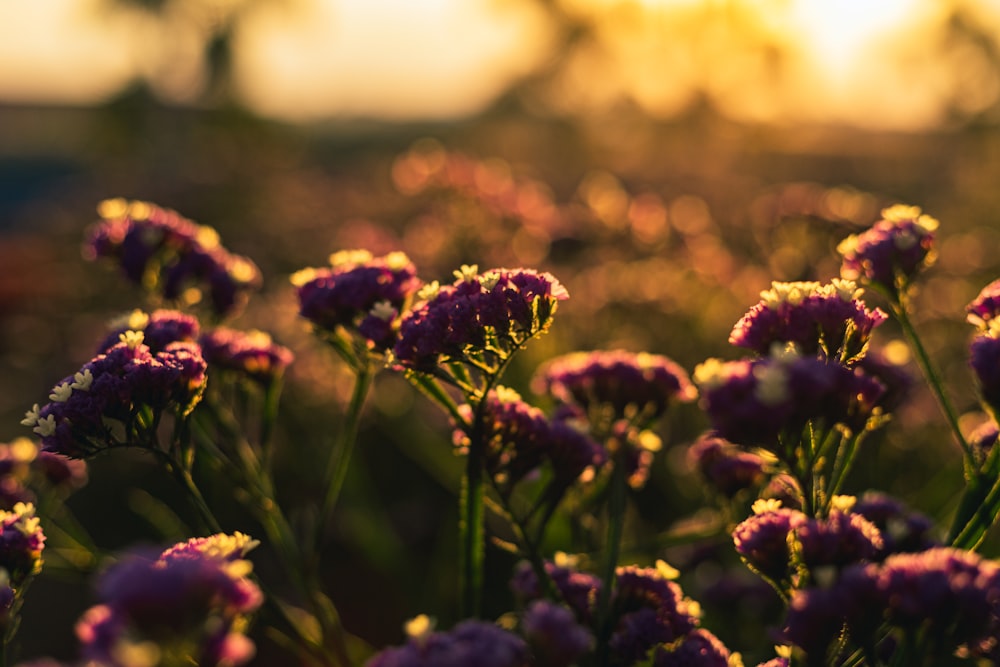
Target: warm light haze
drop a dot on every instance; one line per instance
(888, 64)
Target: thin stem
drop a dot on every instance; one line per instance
(901, 313)
(269, 418)
(472, 530)
(340, 456)
(616, 522)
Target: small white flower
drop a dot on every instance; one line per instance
(765, 505)
(61, 393)
(31, 416)
(383, 310)
(489, 280)
(467, 273)
(429, 291)
(772, 384)
(132, 338)
(45, 426)
(82, 380)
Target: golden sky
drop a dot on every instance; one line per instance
(876, 63)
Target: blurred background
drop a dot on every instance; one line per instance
(665, 159)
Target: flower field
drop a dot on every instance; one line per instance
(516, 395)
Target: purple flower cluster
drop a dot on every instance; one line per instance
(251, 354)
(951, 597)
(984, 358)
(903, 530)
(554, 634)
(361, 293)
(892, 251)
(776, 541)
(181, 258)
(632, 386)
(579, 590)
(826, 320)
(726, 468)
(469, 643)
(189, 604)
(754, 401)
(115, 385)
(647, 611)
(480, 315)
(21, 544)
(23, 468)
(520, 438)
(986, 306)
(159, 329)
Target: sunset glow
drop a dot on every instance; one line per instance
(798, 60)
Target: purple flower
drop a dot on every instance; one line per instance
(555, 636)
(161, 250)
(361, 293)
(21, 544)
(951, 596)
(699, 648)
(762, 539)
(892, 251)
(775, 662)
(647, 609)
(577, 589)
(486, 315)
(754, 401)
(191, 600)
(727, 469)
(839, 540)
(114, 386)
(249, 353)
(826, 320)
(983, 439)
(632, 386)
(468, 643)
(902, 529)
(984, 357)
(986, 306)
(159, 329)
(519, 438)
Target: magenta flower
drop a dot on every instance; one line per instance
(726, 468)
(826, 320)
(840, 539)
(754, 402)
(468, 643)
(984, 358)
(891, 252)
(699, 648)
(986, 306)
(362, 294)
(554, 635)
(632, 386)
(481, 319)
(21, 544)
(762, 539)
(520, 438)
(161, 250)
(251, 354)
(159, 328)
(647, 610)
(951, 597)
(190, 602)
(115, 386)
(579, 590)
(903, 530)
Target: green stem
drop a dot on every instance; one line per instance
(901, 313)
(616, 524)
(340, 456)
(472, 530)
(269, 418)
